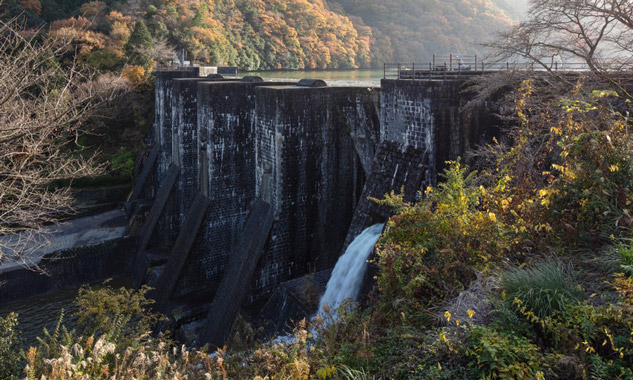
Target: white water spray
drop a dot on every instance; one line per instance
(347, 276)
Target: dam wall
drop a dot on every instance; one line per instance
(225, 161)
(304, 150)
(423, 124)
(310, 171)
(314, 153)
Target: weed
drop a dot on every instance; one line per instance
(545, 289)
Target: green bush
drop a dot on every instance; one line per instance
(434, 248)
(624, 257)
(505, 356)
(11, 361)
(123, 165)
(121, 314)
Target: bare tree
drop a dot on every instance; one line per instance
(594, 35)
(160, 51)
(43, 107)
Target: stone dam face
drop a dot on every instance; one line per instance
(312, 154)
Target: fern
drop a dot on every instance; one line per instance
(118, 328)
(50, 342)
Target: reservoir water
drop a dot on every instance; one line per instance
(355, 75)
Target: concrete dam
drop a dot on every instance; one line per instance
(252, 186)
(257, 183)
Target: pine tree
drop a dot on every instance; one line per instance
(138, 44)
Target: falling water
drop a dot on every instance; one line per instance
(347, 276)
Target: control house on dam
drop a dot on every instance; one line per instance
(252, 185)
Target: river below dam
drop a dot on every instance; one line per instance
(39, 312)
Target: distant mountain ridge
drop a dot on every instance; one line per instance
(414, 30)
(282, 34)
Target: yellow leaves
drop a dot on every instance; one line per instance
(135, 74)
(588, 348)
(492, 216)
(543, 227)
(599, 94)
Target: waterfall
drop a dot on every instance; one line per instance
(347, 276)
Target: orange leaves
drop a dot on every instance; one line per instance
(115, 16)
(135, 74)
(78, 22)
(285, 34)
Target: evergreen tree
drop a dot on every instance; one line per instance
(139, 43)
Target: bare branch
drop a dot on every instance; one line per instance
(43, 106)
(596, 35)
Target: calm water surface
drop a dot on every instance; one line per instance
(39, 312)
(328, 75)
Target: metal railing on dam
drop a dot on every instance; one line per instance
(459, 67)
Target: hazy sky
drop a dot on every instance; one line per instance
(521, 5)
(517, 8)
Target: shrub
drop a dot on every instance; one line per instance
(115, 343)
(570, 172)
(10, 359)
(121, 314)
(123, 165)
(433, 248)
(624, 257)
(500, 355)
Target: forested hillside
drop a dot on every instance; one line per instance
(273, 34)
(414, 30)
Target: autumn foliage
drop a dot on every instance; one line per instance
(135, 74)
(272, 34)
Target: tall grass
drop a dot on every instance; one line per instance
(348, 373)
(544, 289)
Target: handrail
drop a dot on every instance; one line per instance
(442, 69)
